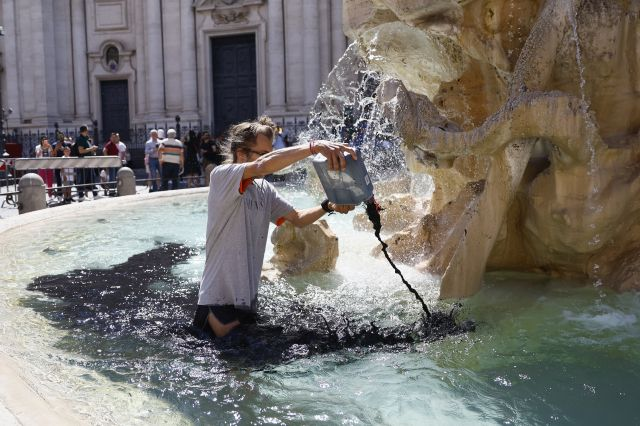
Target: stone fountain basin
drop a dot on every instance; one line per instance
(22, 398)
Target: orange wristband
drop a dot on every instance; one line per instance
(311, 144)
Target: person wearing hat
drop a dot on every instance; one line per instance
(171, 157)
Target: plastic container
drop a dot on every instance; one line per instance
(351, 186)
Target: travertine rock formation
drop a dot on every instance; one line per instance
(302, 250)
(399, 211)
(526, 113)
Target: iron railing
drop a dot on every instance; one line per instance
(22, 142)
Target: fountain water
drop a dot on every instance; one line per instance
(542, 348)
(115, 329)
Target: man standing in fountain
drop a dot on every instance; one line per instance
(240, 206)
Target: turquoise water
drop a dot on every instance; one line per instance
(545, 351)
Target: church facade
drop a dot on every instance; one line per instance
(129, 65)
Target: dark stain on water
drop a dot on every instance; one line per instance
(142, 298)
(134, 323)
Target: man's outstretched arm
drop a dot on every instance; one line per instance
(301, 218)
(282, 158)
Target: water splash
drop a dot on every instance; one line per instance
(347, 110)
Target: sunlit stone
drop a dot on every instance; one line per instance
(302, 250)
(528, 128)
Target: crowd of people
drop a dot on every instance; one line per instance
(167, 160)
(85, 180)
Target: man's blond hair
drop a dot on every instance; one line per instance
(243, 136)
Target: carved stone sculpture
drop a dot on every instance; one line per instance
(526, 113)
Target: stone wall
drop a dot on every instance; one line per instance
(54, 55)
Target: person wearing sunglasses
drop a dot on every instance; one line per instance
(240, 207)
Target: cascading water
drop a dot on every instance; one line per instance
(347, 110)
(593, 205)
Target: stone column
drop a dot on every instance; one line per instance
(63, 77)
(311, 36)
(32, 195)
(32, 65)
(188, 54)
(138, 60)
(172, 45)
(79, 58)
(126, 182)
(153, 55)
(295, 53)
(10, 97)
(275, 57)
(324, 10)
(49, 74)
(338, 39)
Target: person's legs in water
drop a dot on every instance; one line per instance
(219, 328)
(220, 320)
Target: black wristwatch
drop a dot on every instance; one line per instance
(325, 207)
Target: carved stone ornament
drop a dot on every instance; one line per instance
(220, 5)
(231, 16)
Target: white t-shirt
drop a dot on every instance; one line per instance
(151, 148)
(122, 152)
(237, 228)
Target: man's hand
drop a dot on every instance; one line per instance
(341, 208)
(334, 153)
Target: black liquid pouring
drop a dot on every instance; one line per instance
(353, 186)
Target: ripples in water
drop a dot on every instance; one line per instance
(142, 299)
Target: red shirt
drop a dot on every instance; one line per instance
(111, 148)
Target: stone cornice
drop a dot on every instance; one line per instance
(204, 6)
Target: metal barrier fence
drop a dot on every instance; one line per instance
(134, 137)
(82, 170)
(8, 181)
